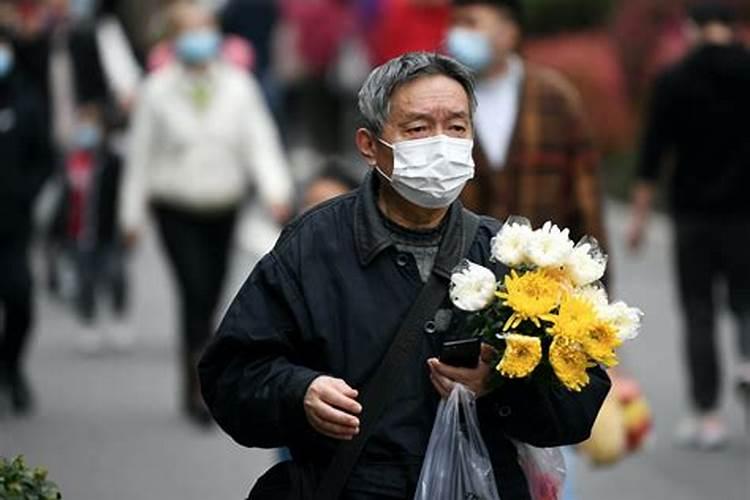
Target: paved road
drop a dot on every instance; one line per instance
(108, 426)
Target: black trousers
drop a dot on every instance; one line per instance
(16, 310)
(197, 247)
(101, 270)
(711, 251)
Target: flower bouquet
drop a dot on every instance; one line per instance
(550, 316)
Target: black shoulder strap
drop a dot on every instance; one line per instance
(378, 392)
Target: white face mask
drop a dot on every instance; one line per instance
(431, 172)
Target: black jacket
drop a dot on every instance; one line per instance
(328, 300)
(700, 111)
(25, 159)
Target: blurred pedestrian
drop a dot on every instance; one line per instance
(93, 241)
(24, 165)
(93, 76)
(295, 358)
(535, 154)
(400, 26)
(233, 49)
(699, 112)
(201, 129)
(314, 104)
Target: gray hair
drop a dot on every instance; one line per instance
(383, 81)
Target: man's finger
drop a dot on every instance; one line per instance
(487, 354)
(330, 414)
(326, 427)
(333, 397)
(445, 384)
(452, 372)
(337, 431)
(439, 387)
(345, 388)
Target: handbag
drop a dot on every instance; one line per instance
(300, 481)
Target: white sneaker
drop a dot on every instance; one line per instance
(90, 340)
(713, 436)
(705, 433)
(121, 334)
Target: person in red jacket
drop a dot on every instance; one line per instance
(408, 25)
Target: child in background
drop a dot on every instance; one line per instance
(94, 242)
(334, 179)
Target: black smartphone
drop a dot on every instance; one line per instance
(462, 353)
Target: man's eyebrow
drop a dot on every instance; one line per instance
(411, 117)
(459, 114)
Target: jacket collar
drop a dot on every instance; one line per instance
(372, 237)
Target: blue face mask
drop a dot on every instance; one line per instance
(470, 48)
(198, 47)
(87, 137)
(6, 62)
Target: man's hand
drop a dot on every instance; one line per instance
(444, 377)
(635, 233)
(331, 405)
(643, 196)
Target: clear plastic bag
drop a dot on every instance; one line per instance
(457, 464)
(544, 469)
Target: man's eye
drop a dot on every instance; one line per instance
(417, 130)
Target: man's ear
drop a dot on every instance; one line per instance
(367, 146)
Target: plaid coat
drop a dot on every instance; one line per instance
(552, 168)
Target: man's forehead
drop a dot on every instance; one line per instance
(429, 94)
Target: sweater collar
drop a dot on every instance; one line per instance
(372, 237)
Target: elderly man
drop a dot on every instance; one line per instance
(294, 356)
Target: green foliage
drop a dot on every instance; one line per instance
(19, 482)
(554, 16)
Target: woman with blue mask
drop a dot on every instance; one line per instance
(198, 46)
(24, 164)
(201, 131)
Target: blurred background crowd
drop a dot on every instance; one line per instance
(93, 90)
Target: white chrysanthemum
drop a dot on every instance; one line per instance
(472, 287)
(584, 266)
(510, 244)
(626, 319)
(596, 296)
(549, 246)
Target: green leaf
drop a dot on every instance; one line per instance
(19, 482)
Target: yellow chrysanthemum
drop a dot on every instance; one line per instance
(576, 318)
(531, 295)
(522, 355)
(560, 275)
(569, 363)
(601, 342)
